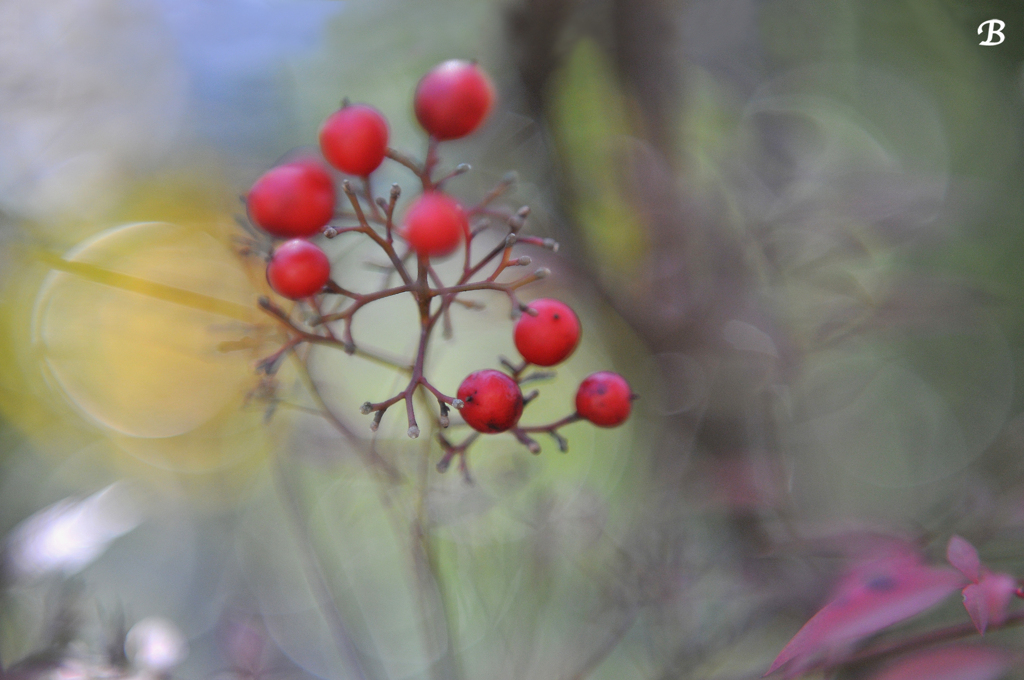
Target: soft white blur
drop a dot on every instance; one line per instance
(155, 644)
(68, 535)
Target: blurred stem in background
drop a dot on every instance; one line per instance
(824, 203)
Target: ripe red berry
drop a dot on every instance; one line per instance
(298, 269)
(453, 99)
(354, 139)
(292, 200)
(551, 336)
(604, 398)
(493, 401)
(435, 224)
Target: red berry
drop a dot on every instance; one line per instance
(493, 401)
(435, 224)
(453, 99)
(354, 139)
(604, 398)
(551, 336)
(292, 200)
(298, 269)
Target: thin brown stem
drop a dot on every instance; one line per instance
(332, 231)
(389, 213)
(423, 293)
(303, 335)
(453, 450)
(492, 285)
(522, 433)
(382, 406)
(441, 396)
(551, 427)
(525, 439)
(368, 192)
(346, 344)
(333, 287)
(360, 301)
(460, 169)
(491, 212)
(469, 272)
(270, 364)
(408, 162)
(357, 208)
(500, 188)
(429, 163)
(377, 238)
(447, 330)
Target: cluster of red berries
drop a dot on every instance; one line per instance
(545, 335)
(297, 201)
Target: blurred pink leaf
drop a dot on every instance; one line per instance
(988, 600)
(950, 663)
(872, 596)
(964, 557)
(883, 558)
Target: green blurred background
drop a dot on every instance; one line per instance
(793, 225)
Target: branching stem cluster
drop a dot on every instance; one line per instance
(374, 217)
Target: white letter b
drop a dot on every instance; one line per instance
(992, 32)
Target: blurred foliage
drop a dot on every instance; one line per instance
(589, 116)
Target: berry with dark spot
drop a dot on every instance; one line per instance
(604, 398)
(549, 337)
(492, 401)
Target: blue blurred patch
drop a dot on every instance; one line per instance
(234, 52)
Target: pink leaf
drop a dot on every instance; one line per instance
(964, 557)
(950, 663)
(873, 597)
(988, 600)
(897, 560)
